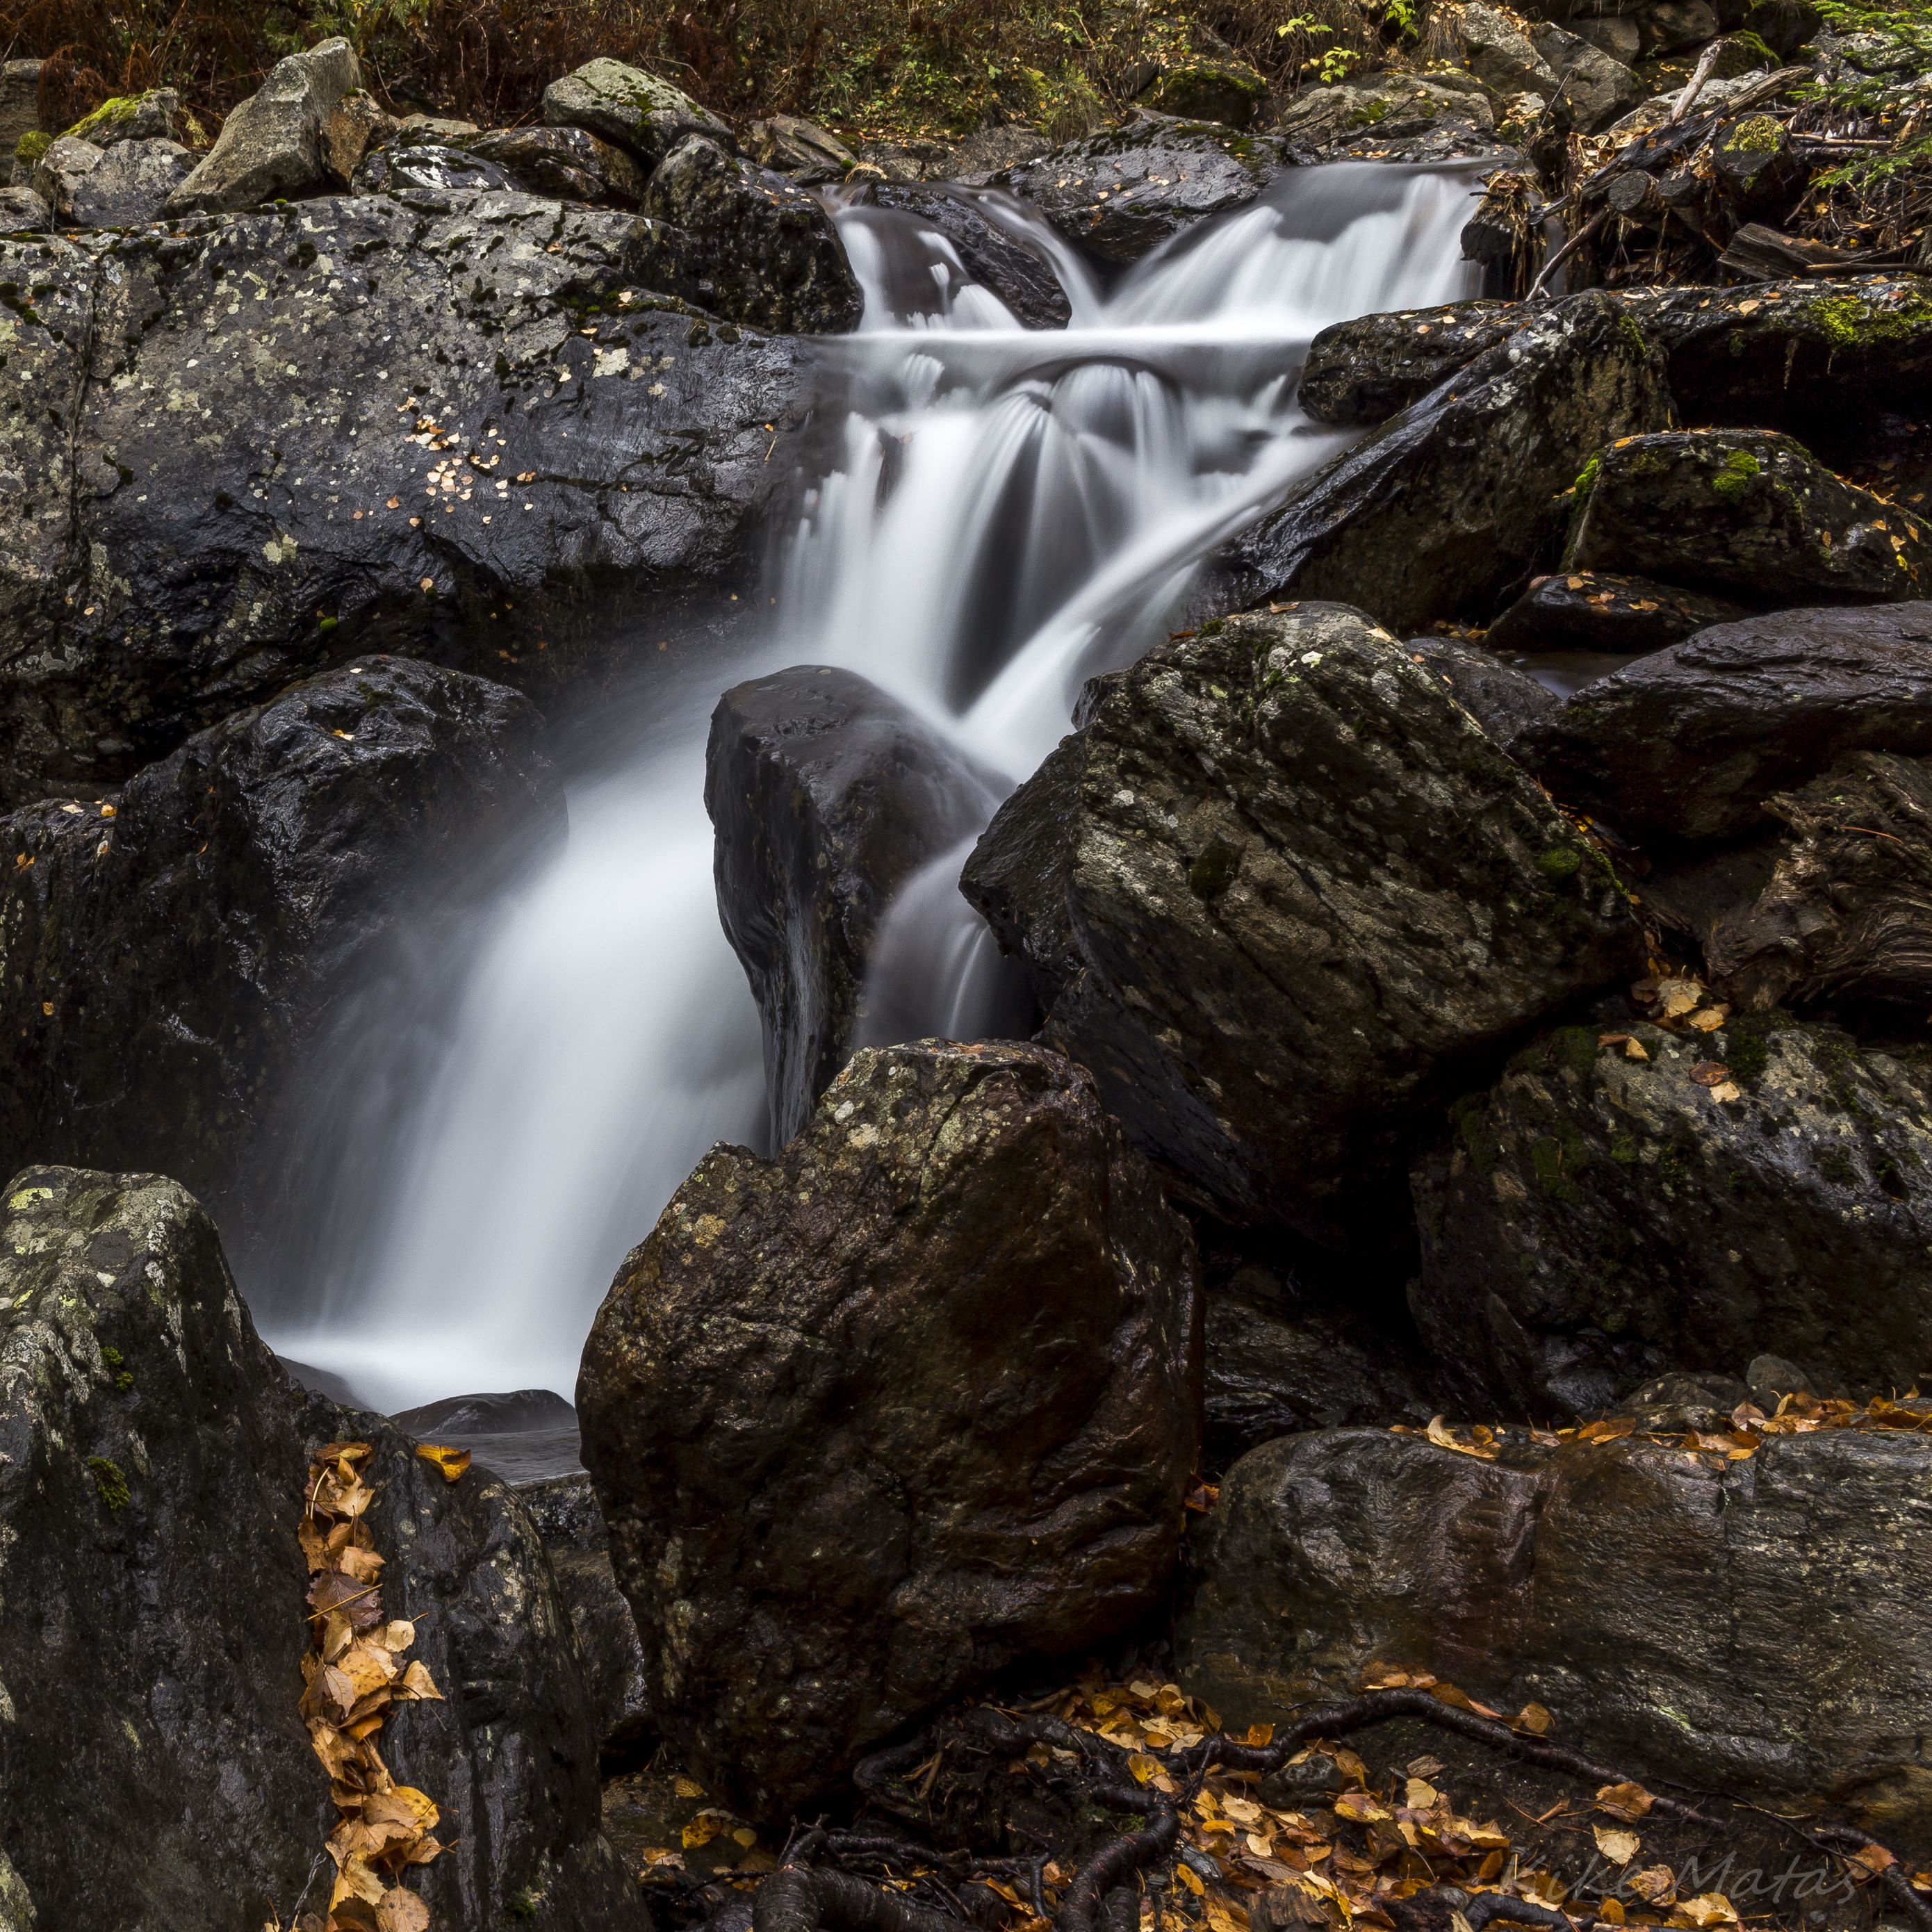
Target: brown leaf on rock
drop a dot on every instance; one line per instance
(1626, 1801)
(451, 1462)
(400, 1911)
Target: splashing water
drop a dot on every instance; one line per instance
(1008, 511)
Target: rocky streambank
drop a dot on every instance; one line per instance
(1395, 1401)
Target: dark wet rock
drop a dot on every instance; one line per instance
(1206, 89)
(1746, 511)
(1768, 1379)
(156, 1621)
(1801, 356)
(989, 254)
(1690, 742)
(745, 244)
(1500, 56)
(1677, 1403)
(432, 168)
(271, 146)
(826, 796)
(486, 1414)
(1594, 88)
(511, 1755)
(988, 150)
(1276, 839)
(800, 148)
(1501, 698)
(1368, 369)
(1669, 25)
(148, 1497)
(124, 186)
(1837, 911)
(568, 162)
(1278, 1359)
(179, 541)
(20, 102)
(636, 110)
(915, 1400)
(165, 957)
(1121, 193)
(1444, 508)
(1784, 25)
(1758, 171)
(1598, 610)
(1399, 117)
(1593, 1220)
(1754, 1627)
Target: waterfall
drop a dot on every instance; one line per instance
(1007, 512)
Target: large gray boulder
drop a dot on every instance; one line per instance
(826, 796)
(459, 428)
(1593, 87)
(120, 186)
(154, 1766)
(168, 955)
(1439, 510)
(1598, 1218)
(639, 112)
(1690, 742)
(745, 244)
(1120, 193)
(1756, 1627)
(272, 144)
(1279, 889)
(872, 1421)
(1446, 116)
(1744, 513)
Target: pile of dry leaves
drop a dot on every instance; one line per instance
(354, 1672)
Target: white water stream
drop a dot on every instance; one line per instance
(1008, 511)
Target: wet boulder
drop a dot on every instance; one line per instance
(151, 1496)
(871, 1421)
(1600, 610)
(166, 954)
(1446, 505)
(1204, 88)
(800, 148)
(1690, 742)
(1500, 56)
(1121, 193)
(1301, 888)
(431, 168)
(568, 163)
(745, 244)
(1594, 88)
(1756, 1627)
(1394, 117)
(155, 1623)
(1749, 513)
(1365, 370)
(640, 112)
(1836, 911)
(272, 144)
(990, 256)
(190, 533)
(826, 796)
(1504, 700)
(1803, 356)
(1601, 1216)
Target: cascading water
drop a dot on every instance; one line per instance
(1009, 511)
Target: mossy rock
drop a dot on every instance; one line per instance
(1203, 90)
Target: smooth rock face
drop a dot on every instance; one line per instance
(511, 1754)
(635, 109)
(1368, 369)
(989, 255)
(568, 162)
(1443, 508)
(1396, 117)
(1748, 512)
(1594, 1220)
(1594, 89)
(1600, 611)
(1122, 193)
(1755, 1627)
(873, 1420)
(272, 144)
(155, 1622)
(1689, 742)
(745, 244)
(1504, 699)
(161, 969)
(1302, 887)
(214, 512)
(826, 796)
(1843, 916)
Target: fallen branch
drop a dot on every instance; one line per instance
(1569, 248)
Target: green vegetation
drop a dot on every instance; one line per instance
(881, 68)
(1734, 476)
(109, 1485)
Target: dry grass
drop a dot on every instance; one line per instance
(873, 67)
